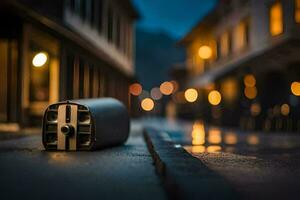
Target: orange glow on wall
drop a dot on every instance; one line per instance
(147, 104)
(191, 95)
(214, 98)
(276, 19)
(205, 52)
(297, 11)
(229, 89)
(135, 89)
(295, 88)
(240, 36)
(166, 88)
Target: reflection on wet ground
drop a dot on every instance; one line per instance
(257, 165)
(199, 138)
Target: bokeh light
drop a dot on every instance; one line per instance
(156, 94)
(205, 52)
(135, 89)
(191, 95)
(285, 109)
(295, 88)
(214, 98)
(214, 136)
(147, 104)
(39, 59)
(250, 92)
(255, 109)
(230, 138)
(166, 88)
(249, 80)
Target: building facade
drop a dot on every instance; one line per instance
(57, 50)
(243, 58)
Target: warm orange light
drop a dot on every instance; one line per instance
(214, 98)
(249, 80)
(276, 19)
(191, 95)
(255, 109)
(147, 104)
(230, 138)
(135, 89)
(205, 52)
(214, 136)
(40, 59)
(166, 88)
(198, 149)
(156, 94)
(250, 92)
(253, 139)
(295, 88)
(285, 109)
(198, 134)
(213, 149)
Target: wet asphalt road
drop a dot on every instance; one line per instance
(256, 165)
(29, 172)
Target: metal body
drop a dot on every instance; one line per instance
(86, 124)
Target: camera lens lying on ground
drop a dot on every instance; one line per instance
(86, 124)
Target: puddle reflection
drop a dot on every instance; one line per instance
(213, 140)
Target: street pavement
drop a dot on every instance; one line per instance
(257, 165)
(29, 172)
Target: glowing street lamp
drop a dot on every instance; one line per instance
(214, 97)
(191, 95)
(205, 52)
(147, 104)
(40, 59)
(166, 88)
(295, 88)
(135, 89)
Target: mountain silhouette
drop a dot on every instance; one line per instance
(156, 52)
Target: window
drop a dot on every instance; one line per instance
(224, 42)
(297, 11)
(241, 36)
(276, 19)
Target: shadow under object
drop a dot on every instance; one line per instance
(86, 124)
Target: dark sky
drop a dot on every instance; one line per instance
(176, 17)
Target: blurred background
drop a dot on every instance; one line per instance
(229, 63)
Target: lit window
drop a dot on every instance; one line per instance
(297, 11)
(224, 49)
(241, 36)
(276, 19)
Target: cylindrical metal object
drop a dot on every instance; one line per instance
(86, 124)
